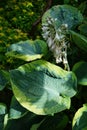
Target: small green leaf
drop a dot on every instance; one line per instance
(80, 70)
(80, 119)
(79, 40)
(3, 111)
(4, 76)
(42, 87)
(64, 14)
(16, 110)
(28, 50)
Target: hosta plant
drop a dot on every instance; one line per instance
(43, 87)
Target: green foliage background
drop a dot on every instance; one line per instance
(20, 21)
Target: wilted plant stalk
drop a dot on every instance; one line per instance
(56, 40)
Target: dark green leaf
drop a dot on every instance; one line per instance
(79, 40)
(42, 87)
(66, 1)
(28, 50)
(23, 123)
(4, 77)
(80, 69)
(56, 122)
(82, 7)
(16, 110)
(83, 29)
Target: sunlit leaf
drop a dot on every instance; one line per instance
(42, 87)
(28, 50)
(80, 119)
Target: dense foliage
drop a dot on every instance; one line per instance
(43, 79)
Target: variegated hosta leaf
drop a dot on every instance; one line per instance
(63, 14)
(80, 119)
(42, 87)
(28, 50)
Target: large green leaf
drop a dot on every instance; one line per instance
(65, 14)
(4, 77)
(80, 69)
(42, 87)
(80, 119)
(79, 40)
(16, 110)
(28, 50)
(3, 111)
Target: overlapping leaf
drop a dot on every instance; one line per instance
(16, 110)
(80, 119)
(23, 123)
(28, 50)
(42, 87)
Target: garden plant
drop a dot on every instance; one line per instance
(47, 84)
